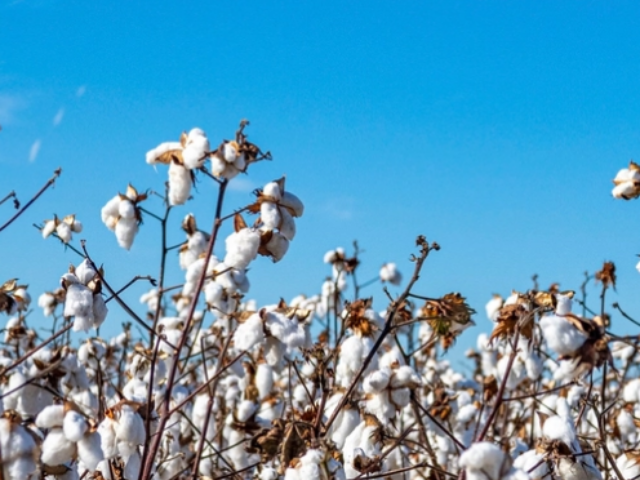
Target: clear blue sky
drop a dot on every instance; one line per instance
(492, 127)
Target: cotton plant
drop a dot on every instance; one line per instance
(122, 215)
(64, 228)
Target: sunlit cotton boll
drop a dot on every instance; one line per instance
(389, 273)
(179, 184)
(562, 337)
(57, 448)
(126, 230)
(90, 451)
(242, 247)
(249, 333)
(79, 304)
(195, 149)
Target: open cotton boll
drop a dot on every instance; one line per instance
(230, 151)
(195, 149)
(628, 466)
(293, 203)
(486, 459)
(264, 380)
(561, 336)
(272, 190)
(48, 228)
(270, 215)
(242, 247)
(179, 184)
(90, 451)
(100, 310)
(563, 305)
(218, 166)
(108, 441)
(376, 381)
(64, 232)
(51, 416)
(57, 448)
(249, 333)
(277, 246)
(130, 426)
(389, 273)
(79, 303)
(287, 224)
(74, 426)
(624, 190)
(85, 272)
(530, 459)
(153, 155)
(245, 410)
(109, 212)
(132, 466)
(126, 230)
(493, 307)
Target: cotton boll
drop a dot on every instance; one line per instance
(57, 448)
(264, 380)
(287, 224)
(272, 190)
(79, 303)
(628, 466)
(130, 427)
(493, 307)
(76, 226)
(74, 426)
(51, 416)
(64, 232)
(85, 272)
(90, 451)
(218, 166)
(293, 203)
(109, 212)
(242, 247)
(48, 228)
(534, 366)
(485, 458)
(564, 303)
(179, 184)
(99, 310)
(239, 165)
(196, 148)
(389, 273)
(230, 151)
(108, 442)
(277, 246)
(249, 333)
(401, 397)
(132, 466)
(245, 410)
(270, 215)
(561, 336)
(376, 381)
(126, 230)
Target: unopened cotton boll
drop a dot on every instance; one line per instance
(179, 184)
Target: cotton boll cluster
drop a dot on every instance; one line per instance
(83, 298)
(627, 182)
(20, 451)
(389, 391)
(63, 228)
(122, 215)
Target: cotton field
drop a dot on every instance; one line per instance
(204, 383)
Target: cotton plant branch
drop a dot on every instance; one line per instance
(49, 183)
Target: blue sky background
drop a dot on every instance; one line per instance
(492, 127)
